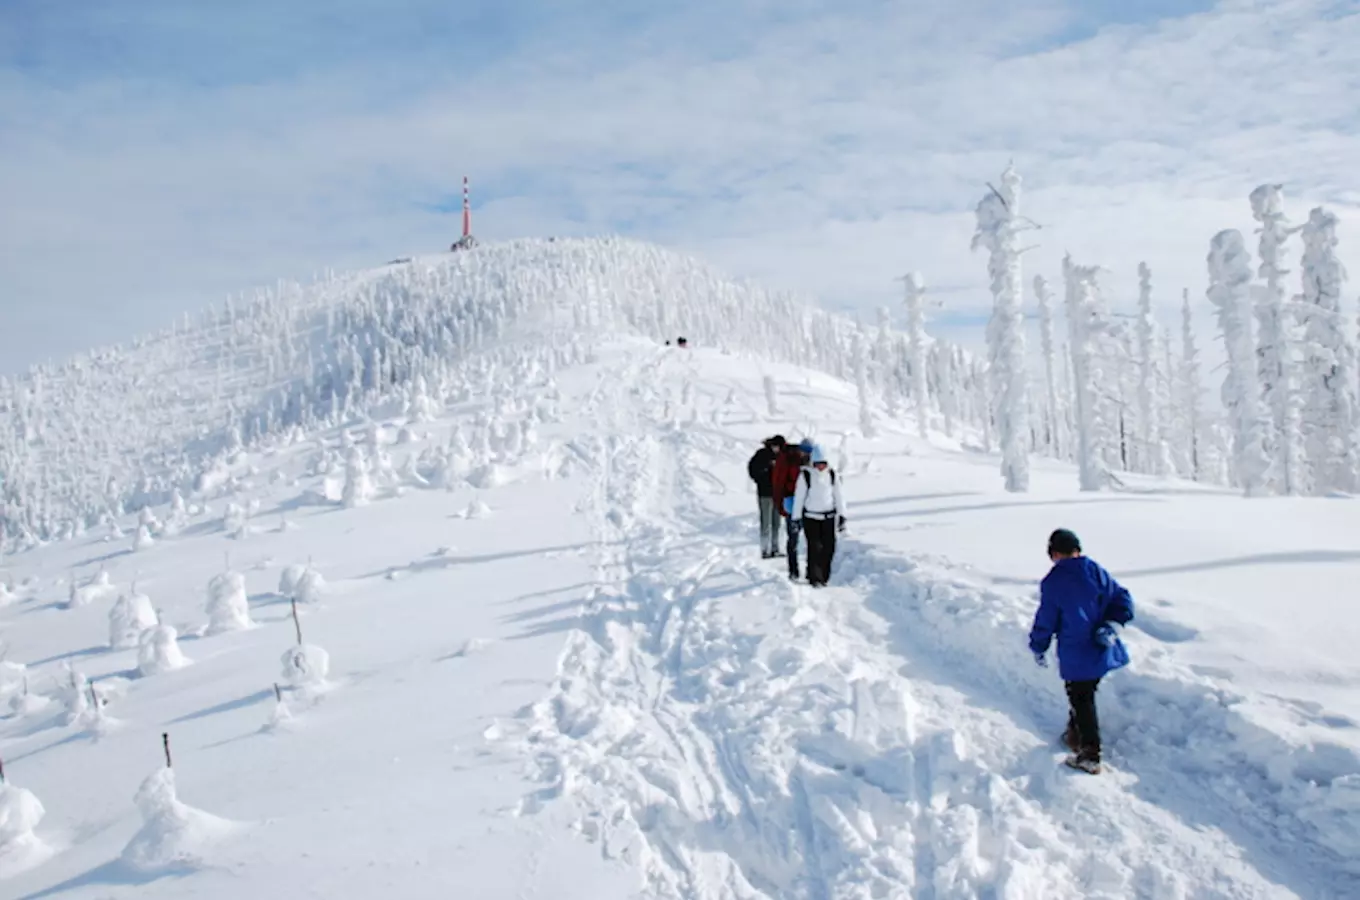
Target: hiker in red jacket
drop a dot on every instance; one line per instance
(784, 481)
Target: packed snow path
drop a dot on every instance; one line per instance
(734, 735)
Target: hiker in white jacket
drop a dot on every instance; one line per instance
(818, 505)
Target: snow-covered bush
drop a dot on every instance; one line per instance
(310, 588)
(235, 520)
(771, 396)
(158, 651)
(130, 615)
(228, 605)
(20, 814)
(305, 665)
(358, 486)
(173, 835)
(143, 540)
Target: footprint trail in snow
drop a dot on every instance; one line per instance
(736, 736)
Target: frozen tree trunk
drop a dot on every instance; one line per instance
(1274, 346)
(1079, 284)
(1328, 361)
(1194, 423)
(996, 229)
(1055, 441)
(1229, 291)
(1148, 444)
(916, 291)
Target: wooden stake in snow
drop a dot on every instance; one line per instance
(94, 697)
(2, 771)
(297, 623)
(165, 742)
(278, 693)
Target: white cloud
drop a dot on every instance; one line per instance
(822, 152)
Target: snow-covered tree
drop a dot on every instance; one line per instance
(1191, 388)
(228, 605)
(1229, 291)
(997, 224)
(1275, 344)
(1149, 429)
(1086, 321)
(1328, 363)
(358, 486)
(129, 616)
(1054, 440)
(916, 356)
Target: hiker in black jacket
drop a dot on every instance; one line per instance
(761, 470)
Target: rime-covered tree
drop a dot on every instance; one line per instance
(1229, 291)
(1149, 430)
(916, 356)
(1328, 361)
(1054, 439)
(997, 224)
(1191, 387)
(1276, 367)
(1086, 322)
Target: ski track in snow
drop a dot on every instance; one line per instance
(850, 747)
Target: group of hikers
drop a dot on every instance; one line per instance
(1080, 603)
(796, 485)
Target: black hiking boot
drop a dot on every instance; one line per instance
(1083, 762)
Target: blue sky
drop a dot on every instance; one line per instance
(156, 156)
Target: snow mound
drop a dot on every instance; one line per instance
(130, 616)
(173, 836)
(228, 605)
(159, 652)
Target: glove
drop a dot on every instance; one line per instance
(840, 525)
(1041, 660)
(1105, 635)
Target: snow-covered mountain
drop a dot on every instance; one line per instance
(443, 580)
(123, 427)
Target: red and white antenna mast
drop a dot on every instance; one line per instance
(467, 211)
(467, 241)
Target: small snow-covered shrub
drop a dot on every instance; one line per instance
(172, 835)
(358, 490)
(305, 665)
(235, 520)
(20, 813)
(130, 616)
(310, 586)
(228, 606)
(143, 539)
(288, 579)
(158, 651)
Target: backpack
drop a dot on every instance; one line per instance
(807, 477)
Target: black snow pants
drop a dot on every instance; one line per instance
(795, 532)
(821, 541)
(1082, 722)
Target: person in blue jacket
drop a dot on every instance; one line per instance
(1080, 604)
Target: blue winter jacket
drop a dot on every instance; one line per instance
(1076, 598)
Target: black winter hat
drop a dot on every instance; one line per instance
(776, 441)
(1063, 543)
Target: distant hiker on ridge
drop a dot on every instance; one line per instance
(1079, 604)
(761, 470)
(785, 479)
(818, 505)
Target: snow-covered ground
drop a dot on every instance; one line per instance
(580, 680)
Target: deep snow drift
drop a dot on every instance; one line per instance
(598, 689)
